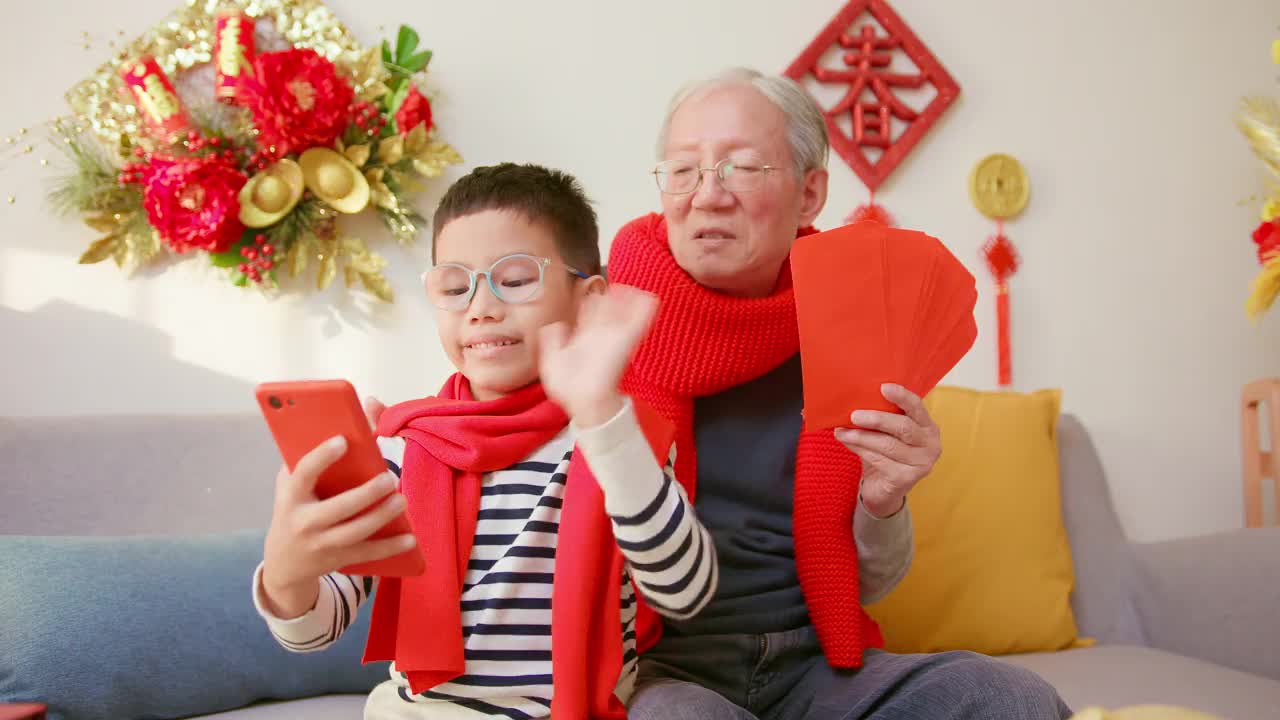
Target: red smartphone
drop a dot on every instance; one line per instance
(304, 413)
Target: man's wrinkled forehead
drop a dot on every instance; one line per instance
(727, 118)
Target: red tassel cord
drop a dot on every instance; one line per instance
(872, 212)
(1002, 261)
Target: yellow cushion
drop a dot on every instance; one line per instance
(992, 570)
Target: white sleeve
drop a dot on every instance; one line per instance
(669, 553)
(339, 600)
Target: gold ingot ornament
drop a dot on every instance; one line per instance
(271, 194)
(335, 180)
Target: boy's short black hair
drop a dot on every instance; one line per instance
(551, 197)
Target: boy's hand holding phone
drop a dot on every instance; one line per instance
(310, 537)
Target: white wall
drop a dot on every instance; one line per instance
(1135, 245)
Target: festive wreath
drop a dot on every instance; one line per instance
(242, 131)
(1259, 120)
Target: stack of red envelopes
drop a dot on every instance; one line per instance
(876, 304)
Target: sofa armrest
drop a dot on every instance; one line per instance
(1215, 597)
(1100, 551)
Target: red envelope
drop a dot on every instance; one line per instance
(876, 304)
(22, 711)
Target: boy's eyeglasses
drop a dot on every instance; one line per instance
(514, 279)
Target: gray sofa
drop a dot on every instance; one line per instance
(1193, 622)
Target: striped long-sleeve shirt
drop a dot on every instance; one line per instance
(506, 596)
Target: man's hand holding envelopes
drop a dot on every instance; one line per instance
(884, 313)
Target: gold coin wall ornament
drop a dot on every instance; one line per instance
(999, 188)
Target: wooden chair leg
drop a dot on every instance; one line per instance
(1257, 463)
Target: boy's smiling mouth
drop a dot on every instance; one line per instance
(490, 345)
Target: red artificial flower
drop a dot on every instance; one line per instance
(193, 203)
(414, 111)
(298, 100)
(1267, 237)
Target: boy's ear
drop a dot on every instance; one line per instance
(594, 285)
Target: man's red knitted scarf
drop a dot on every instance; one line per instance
(704, 342)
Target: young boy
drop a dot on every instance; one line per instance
(497, 478)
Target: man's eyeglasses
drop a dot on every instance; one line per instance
(681, 177)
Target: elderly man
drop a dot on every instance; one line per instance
(807, 526)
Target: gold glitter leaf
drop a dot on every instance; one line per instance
(352, 247)
(402, 224)
(368, 74)
(144, 246)
(104, 222)
(328, 269)
(101, 249)
(391, 150)
(416, 140)
(383, 197)
(433, 159)
(120, 251)
(298, 253)
(368, 263)
(377, 284)
(358, 154)
(1259, 120)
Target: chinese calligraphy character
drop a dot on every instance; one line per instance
(231, 54)
(868, 63)
(157, 102)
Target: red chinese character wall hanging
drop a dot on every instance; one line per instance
(870, 124)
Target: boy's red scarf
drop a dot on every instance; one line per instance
(704, 342)
(451, 442)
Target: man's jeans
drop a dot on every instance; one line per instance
(784, 676)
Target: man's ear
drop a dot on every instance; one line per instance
(813, 195)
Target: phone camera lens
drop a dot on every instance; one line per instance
(275, 402)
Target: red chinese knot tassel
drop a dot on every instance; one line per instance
(1002, 261)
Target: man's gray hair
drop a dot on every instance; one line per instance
(806, 127)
